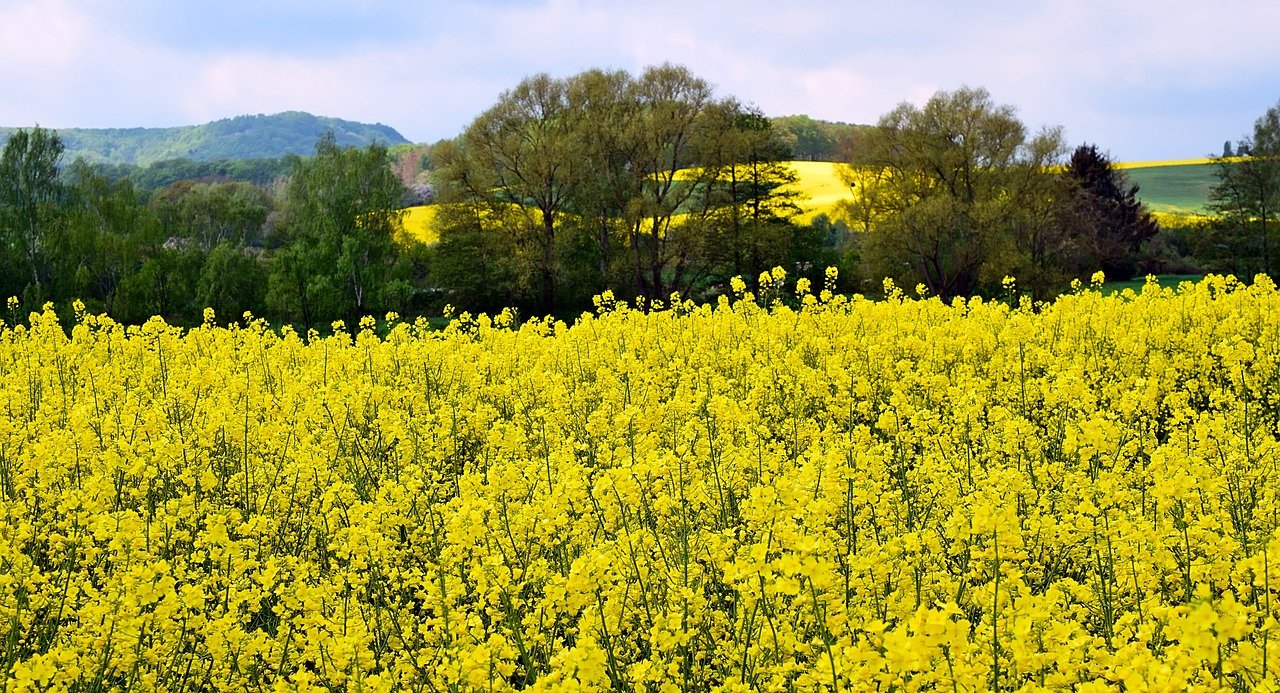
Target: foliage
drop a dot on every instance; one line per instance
(751, 213)
(476, 258)
(645, 185)
(902, 494)
(339, 225)
(955, 194)
(163, 285)
(521, 152)
(107, 234)
(810, 139)
(232, 281)
(209, 214)
(1106, 218)
(30, 196)
(161, 174)
(81, 233)
(1247, 195)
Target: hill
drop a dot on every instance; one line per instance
(1173, 187)
(241, 137)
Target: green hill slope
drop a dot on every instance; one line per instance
(242, 137)
(1176, 188)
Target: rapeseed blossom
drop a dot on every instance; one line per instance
(851, 495)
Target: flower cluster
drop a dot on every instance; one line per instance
(905, 494)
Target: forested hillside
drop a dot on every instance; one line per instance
(241, 137)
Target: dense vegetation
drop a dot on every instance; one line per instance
(261, 171)
(647, 185)
(644, 185)
(291, 252)
(241, 137)
(810, 139)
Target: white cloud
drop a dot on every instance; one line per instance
(45, 37)
(1125, 74)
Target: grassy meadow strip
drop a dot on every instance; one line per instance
(843, 495)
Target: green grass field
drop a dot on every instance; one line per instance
(1181, 188)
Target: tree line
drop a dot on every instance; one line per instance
(958, 194)
(651, 184)
(647, 185)
(316, 246)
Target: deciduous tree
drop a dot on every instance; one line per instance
(341, 215)
(29, 198)
(209, 214)
(1247, 195)
(949, 183)
(526, 149)
(106, 235)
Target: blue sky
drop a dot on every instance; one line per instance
(1143, 80)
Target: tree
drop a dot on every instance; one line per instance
(232, 281)
(1110, 222)
(164, 285)
(817, 140)
(947, 188)
(675, 109)
(1247, 195)
(605, 180)
(524, 154)
(806, 138)
(607, 124)
(340, 217)
(476, 260)
(209, 214)
(107, 234)
(30, 195)
(752, 203)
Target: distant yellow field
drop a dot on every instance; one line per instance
(1170, 162)
(1178, 219)
(820, 185)
(419, 222)
(822, 188)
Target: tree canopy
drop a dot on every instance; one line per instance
(1105, 214)
(29, 199)
(950, 191)
(1247, 195)
(646, 185)
(340, 219)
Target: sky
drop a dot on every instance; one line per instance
(1149, 80)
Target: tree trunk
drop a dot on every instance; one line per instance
(548, 260)
(603, 250)
(1266, 260)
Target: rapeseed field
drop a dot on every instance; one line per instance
(785, 491)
